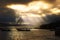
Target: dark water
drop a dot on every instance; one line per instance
(33, 34)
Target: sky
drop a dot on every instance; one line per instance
(20, 1)
(5, 2)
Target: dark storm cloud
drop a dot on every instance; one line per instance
(5, 2)
(15, 1)
(6, 15)
(22, 1)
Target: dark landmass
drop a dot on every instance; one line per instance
(55, 26)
